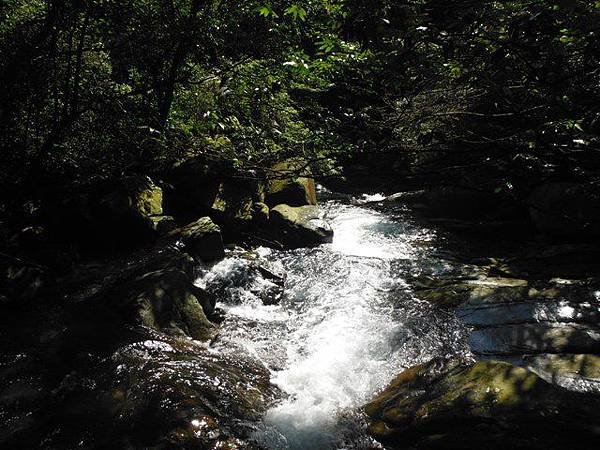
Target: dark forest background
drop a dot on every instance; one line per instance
(492, 95)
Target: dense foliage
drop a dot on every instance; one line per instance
(423, 89)
(500, 94)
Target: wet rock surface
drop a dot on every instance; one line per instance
(524, 303)
(202, 239)
(166, 300)
(302, 226)
(110, 365)
(532, 311)
(137, 389)
(291, 183)
(456, 404)
(578, 372)
(168, 348)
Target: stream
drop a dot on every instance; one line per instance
(345, 325)
(306, 338)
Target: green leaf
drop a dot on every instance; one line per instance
(297, 12)
(267, 11)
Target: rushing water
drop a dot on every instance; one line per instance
(346, 324)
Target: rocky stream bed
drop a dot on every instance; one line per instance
(394, 335)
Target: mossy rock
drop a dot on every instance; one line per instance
(136, 197)
(291, 183)
(235, 199)
(167, 300)
(301, 226)
(194, 186)
(457, 404)
(202, 239)
(161, 224)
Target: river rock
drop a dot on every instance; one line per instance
(451, 293)
(301, 226)
(201, 239)
(99, 384)
(579, 372)
(194, 186)
(167, 300)
(291, 183)
(487, 404)
(496, 314)
(161, 224)
(533, 338)
(167, 394)
(134, 197)
(234, 201)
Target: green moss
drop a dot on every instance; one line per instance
(291, 183)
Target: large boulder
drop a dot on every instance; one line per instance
(301, 226)
(291, 183)
(108, 217)
(167, 300)
(201, 239)
(93, 279)
(565, 209)
(151, 287)
(218, 190)
(194, 187)
(134, 197)
(190, 397)
(489, 404)
(119, 386)
(235, 200)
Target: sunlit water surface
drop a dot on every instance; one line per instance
(345, 326)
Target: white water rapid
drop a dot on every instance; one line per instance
(346, 324)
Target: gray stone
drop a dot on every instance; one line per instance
(201, 239)
(301, 226)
